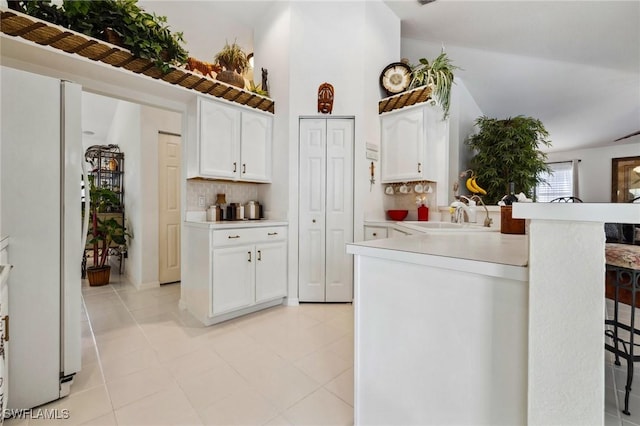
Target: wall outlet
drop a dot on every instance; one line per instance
(201, 200)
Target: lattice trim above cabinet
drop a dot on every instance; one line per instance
(405, 99)
(47, 34)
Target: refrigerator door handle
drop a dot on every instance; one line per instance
(87, 204)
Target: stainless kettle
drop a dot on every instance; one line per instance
(252, 210)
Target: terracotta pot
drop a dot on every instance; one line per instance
(231, 77)
(98, 275)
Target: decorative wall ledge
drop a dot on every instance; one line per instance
(405, 99)
(40, 32)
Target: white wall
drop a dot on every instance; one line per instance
(152, 121)
(594, 171)
(125, 132)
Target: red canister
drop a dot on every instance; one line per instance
(423, 213)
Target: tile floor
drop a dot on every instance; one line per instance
(145, 362)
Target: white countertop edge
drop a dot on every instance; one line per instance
(580, 212)
(518, 273)
(236, 224)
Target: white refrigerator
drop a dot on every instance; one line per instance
(41, 166)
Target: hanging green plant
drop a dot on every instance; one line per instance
(437, 74)
(508, 151)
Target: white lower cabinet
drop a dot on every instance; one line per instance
(231, 272)
(375, 232)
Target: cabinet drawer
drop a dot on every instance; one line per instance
(232, 237)
(374, 232)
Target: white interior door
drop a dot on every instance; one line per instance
(326, 210)
(339, 210)
(169, 207)
(311, 275)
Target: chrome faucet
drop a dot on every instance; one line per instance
(487, 220)
(460, 207)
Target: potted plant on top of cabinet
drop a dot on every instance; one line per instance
(234, 63)
(507, 151)
(103, 231)
(438, 74)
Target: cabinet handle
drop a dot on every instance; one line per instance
(249, 255)
(235, 166)
(233, 236)
(419, 167)
(244, 168)
(5, 319)
(259, 254)
(272, 233)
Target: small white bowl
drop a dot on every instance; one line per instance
(389, 190)
(404, 189)
(418, 188)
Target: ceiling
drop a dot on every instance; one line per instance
(575, 65)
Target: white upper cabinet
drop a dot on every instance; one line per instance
(229, 142)
(219, 135)
(413, 142)
(255, 152)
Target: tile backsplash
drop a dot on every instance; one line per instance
(236, 192)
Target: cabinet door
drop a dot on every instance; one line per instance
(219, 140)
(403, 146)
(233, 277)
(255, 147)
(374, 232)
(271, 271)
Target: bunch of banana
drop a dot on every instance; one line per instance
(473, 186)
(471, 183)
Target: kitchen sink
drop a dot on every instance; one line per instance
(414, 227)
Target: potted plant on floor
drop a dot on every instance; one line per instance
(234, 63)
(507, 151)
(103, 231)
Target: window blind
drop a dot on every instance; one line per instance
(561, 182)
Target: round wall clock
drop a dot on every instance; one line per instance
(395, 78)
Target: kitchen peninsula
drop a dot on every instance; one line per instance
(486, 328)
(441, 329)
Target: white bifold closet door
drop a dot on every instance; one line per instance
(325, 270)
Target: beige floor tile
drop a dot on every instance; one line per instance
(343, 347)
(133, 340)
(322, 366)
(106, 420)
(212, 386)
(129, 363)
(88, 377)
(194, 363)
(320, 408)
(254, 366)
(231, 345)
(16, 422)
(138, 385)
(285, 387)
(167, 407)
(81, 406)
(342, 386)
(278, 421)
(243, 408)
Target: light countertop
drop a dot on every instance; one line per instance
(236, 224)
(488, 253)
